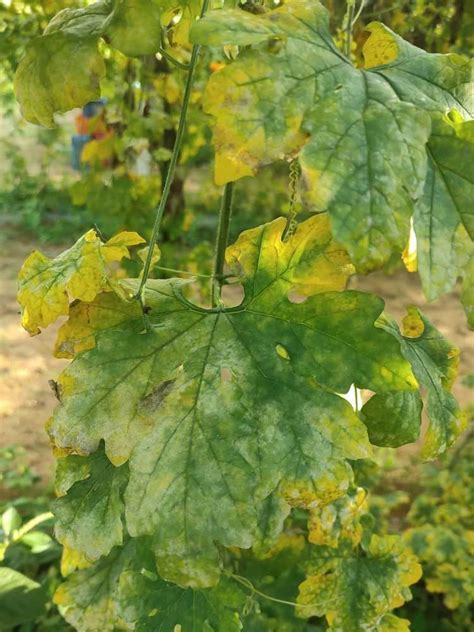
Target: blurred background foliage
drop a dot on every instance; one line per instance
(44, 200)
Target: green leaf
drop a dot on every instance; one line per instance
(432, 82)
(393, 419)
(46, 81)
(444, 219)
(21, 599)
(360, 133)
(134, 27)
(356, 589)
(435, 363)
(122, 589)
(89, 517)
(213, 416)
(63, 69)
(46, 285)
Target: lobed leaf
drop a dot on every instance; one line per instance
(356, 590)
(46, 286)
(89, 516)
(123, 590)
(214, 409)
(435, 364)
(360, 133)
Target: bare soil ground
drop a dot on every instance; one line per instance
(26, 364)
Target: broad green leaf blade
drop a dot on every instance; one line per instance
(123, 590)
(58, 73)
(216, 408)
(356, 590)
(393, 419)
(89, 516)
(432, 82)
(444, 216)
(365, 163)
(134, 27)
(21, 599)
(46, 286)
(435, 364)
(360, 134)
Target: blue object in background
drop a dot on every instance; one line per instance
(78, 142)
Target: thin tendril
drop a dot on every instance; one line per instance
(254, 591)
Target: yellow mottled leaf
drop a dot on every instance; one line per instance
(47, 286)
(309, 262)
(413, 326)
(381, 48)
(340, 520)
(72, 560)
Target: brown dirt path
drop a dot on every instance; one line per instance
(26, 364)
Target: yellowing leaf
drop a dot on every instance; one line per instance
(338, 521)
(308, 263)
(435, 363)
(205, 407)
(355, 590)
(57, 74)
(122, 591)
(63, 69)
(360, 134)
(47, 286)
(106, 311)
(381, 48)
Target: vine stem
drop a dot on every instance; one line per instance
(173, 162)
(225, 215)
(349, 25)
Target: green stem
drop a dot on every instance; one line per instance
(359, 12)
(172, 60)
(349, 25)
(225, 215)
(31, 524)
(173, 162)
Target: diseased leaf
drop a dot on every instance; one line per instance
(106, 311)
(433, 82)
(339, 521)
(213, 416)
(309, 262)
(46, 286)
(391, 623)
(123, 590)
(435, 364)
(89, 516)
(393, 419)
(360, 133)
(444, 216)
(354, 589)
